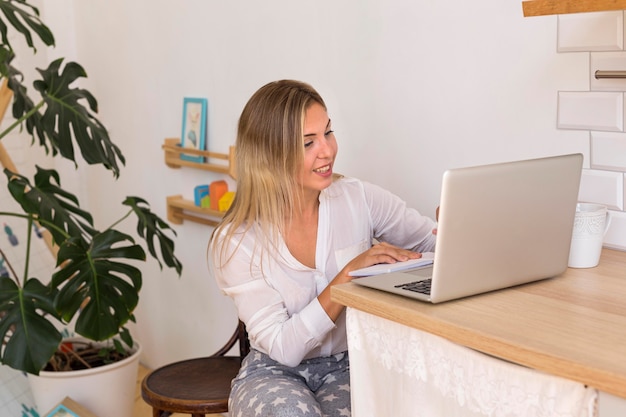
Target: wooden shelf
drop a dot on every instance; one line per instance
(179, 209)
(550, 7)
(173, 150)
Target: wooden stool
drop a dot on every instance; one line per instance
(195, 386)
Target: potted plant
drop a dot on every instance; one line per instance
(96, 283)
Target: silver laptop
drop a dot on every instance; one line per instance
(500, 225)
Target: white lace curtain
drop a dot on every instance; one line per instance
(400, 371)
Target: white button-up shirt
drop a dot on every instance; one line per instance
(276, 295)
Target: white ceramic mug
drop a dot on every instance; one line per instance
(590, 225)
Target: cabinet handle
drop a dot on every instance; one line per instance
(609, 74)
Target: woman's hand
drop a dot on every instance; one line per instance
(382, 253)
(377, 254)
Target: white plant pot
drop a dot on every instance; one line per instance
(106, 391)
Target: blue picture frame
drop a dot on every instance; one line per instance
(194, 127)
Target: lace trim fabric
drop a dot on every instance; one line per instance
(465, 380)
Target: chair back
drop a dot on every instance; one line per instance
(240, 335)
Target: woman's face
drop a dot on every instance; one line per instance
(320, 150)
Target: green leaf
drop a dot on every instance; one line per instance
(151, 227)
(126, 337)
(31, 339)
(23, 106)
(111, 288)
(54, 208)
(22, 16)
(66, 118)
(6, 69)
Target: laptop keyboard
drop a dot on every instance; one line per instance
(422, 286)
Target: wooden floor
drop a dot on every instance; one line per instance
(144, 410)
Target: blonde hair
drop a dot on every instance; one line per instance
(269, 154)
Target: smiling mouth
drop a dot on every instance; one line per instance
(322, 170)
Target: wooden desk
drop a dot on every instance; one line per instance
(573, 326)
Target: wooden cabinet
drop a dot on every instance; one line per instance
(179, 209)
(549, 7)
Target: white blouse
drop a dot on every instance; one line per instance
(276, 296)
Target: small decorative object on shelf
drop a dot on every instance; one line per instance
(201, 196)
(194, 127)
(216, 190)
(179, 209)
(226, 201)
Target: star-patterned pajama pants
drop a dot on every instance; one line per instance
(318, 387)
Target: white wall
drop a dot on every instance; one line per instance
(413, 88)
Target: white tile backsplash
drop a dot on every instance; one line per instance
(599, 111)
(603, 187)
(607, 61)
(608, 151)
(591, 110)
(602, 31)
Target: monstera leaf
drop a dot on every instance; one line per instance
(65, 117)
(53, 207)
(60, 117)
(23, 16)
(149, 227)
(107, 291)
(30, 336)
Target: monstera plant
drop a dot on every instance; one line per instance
(96, 282)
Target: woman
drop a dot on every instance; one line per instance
(294, 230)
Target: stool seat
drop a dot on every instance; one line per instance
(194, 386)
